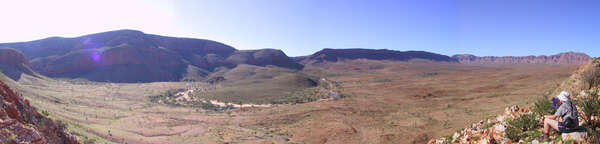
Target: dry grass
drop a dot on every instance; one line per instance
(123, 113)
(417, 101)
(392, 102)
(259, 85)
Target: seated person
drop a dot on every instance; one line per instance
(566, 117)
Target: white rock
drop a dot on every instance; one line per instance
(582, 94)
(484, 141)
(576, 136)
(455, 137)
(500, 118)
(535, 142)
(514, 108)
(441, 140)
(499, 128)
(464, 139)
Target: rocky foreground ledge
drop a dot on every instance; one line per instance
(492, 131)
(21, 123)
(522, 125)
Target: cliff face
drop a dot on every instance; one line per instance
(13, 63)
(21, 123)
(562, 58)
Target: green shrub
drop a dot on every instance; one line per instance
(488, 125)
(512, 133)
(569, 141)
(532, 135)
(89, 141)
(45, 112)
(382, 80)
(12, 138)
(590, 107)
(591, 77)
(543, 106)
(517, 128)
(448, 140)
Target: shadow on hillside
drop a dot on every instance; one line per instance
(12, 72)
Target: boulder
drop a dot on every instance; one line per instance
(578, 137)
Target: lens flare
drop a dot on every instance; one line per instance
(96, 56)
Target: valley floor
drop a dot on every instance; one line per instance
(390, 102)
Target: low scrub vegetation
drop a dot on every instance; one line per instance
(255, 85)
(591, 76)
(382, 80)
(543, 106)
(522, 127)
(590, 111)
(253, 94)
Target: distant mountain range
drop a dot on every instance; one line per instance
(561, 58)
(133, 56)
(334, 55)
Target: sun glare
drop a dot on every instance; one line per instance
(29, 20)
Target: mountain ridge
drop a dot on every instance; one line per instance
(334, 55)
(560, 58)
(133, 56)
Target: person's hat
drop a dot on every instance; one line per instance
(563, 96)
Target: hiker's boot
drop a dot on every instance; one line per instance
(544, 137)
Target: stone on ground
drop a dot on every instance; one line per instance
(578, 137)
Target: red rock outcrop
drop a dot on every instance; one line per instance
(13, 63)
(21, 123)
(12, 57)
(562, 58)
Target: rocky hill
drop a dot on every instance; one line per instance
(521, 124)
(333, 55)
(562, 58)
(13, 63)
(133, 56)
(263, 57)
(21, 123)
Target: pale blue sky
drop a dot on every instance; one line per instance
(302, 27)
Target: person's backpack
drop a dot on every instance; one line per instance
(569, 122)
